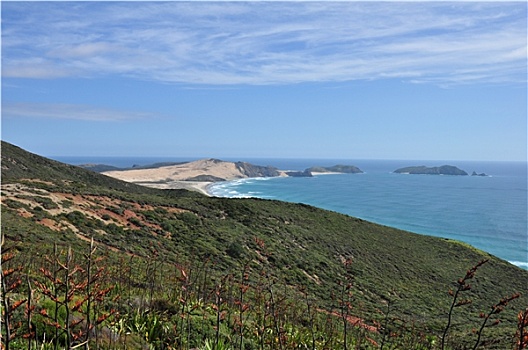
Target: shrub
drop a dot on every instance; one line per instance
(235, 250)
(189, 218)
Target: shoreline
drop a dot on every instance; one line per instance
(203, 186)
(198, 175)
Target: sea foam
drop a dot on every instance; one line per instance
(521, 264)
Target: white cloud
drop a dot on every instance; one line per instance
(68, 111)
(267, 42)
(83, 50)
(44, 70)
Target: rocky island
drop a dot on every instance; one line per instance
(481, 174)
(423, 170)
(346, 169)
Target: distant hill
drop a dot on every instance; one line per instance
(99, 168)
(292, 254)
(423, 170)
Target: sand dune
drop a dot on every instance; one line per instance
(180, 172)
(181, 175)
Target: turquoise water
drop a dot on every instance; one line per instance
(489, 213)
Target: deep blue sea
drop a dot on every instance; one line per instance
(489, 212)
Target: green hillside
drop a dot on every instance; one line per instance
(164, 250)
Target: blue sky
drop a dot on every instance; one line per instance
(356, 80)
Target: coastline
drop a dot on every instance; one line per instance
(203, 186)
(200, 175)
(194, 176)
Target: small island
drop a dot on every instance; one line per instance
(346, 169)
(481, 174)
(423, 170)
(341, 169)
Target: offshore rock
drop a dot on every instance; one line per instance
(305, 173)
(481, 174)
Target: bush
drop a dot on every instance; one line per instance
(116, 210)
(76, 218)
(13, 204)
(67, 203)
(46, 202)
(190, 219)
(136, 221)
(235, 250)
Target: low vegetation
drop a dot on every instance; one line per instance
(89, 261)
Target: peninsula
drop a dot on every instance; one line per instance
(423, 170)
(197, 175)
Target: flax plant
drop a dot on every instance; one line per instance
(310, 314)
(10, 283)
(462, 286)
(243, 286)
(345, 299)
(495, 310)
(522, 329)
(30, 307)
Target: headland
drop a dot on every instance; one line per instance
(200, 174)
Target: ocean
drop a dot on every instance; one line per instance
(488, 212)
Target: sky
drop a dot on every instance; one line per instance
(343, 80)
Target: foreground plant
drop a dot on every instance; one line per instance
(522, 329)
(495, 310)
(10, 283)
(462, 286)
(72, 310)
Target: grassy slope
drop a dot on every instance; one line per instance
(307, 244)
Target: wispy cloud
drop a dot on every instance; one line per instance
(267, 42)
(68, 111)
